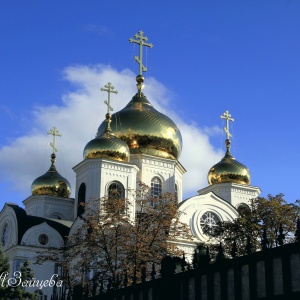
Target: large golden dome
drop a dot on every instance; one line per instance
(51, 183)
(146, 130)
(107, 145)
(229, 170)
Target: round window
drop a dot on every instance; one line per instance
(43, 239)
(209, 219)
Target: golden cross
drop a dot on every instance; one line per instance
(141, 40)
(228, 118)
(109, 88)
(55, 133)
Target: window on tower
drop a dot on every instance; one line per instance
(116, 197)
(81, 199)
(176, 192)
(116, 189)
(243, 209)
(156, 188)
(55, 216)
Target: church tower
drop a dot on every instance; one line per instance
(229, 191)
(105, 167)
(154, 140)
(51, 192)
(230, 179)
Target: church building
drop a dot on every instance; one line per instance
(135, 144)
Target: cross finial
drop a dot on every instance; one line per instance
(55, 133)
(141, 40)
(109, 88)
(228, 118)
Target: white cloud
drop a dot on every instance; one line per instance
(78, 118)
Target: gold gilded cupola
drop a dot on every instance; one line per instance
(107, 145)
(228, 169)
(52, 183)
(144, 129)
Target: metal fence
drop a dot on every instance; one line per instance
(270, 274)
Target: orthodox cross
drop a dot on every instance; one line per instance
(228, 118)
(55, 133)
(109, 88)
(141, 40)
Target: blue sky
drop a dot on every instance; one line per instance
(208, 57)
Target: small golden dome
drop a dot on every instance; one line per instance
(51, 183)
(145, 130)
(107, 145)
(229, 170)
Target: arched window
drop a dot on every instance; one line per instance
(81, 199)
(176, 192)
(5, 234)
(156, 187)
(55, 216)
(243, 209)
(116, 201)
(116, 190)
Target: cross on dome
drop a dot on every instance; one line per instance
(141, 40)
(55, 133)
(228, 118)
(109, 88)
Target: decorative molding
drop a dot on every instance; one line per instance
(157, 163)
(116, 175)
(116, 168)
(150, 170)
(45, 200)
(236, 197)
(242, 191)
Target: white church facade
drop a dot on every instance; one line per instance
(135, 144)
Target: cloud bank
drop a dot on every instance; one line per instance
(78, 115)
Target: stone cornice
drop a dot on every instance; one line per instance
(98, 163)
(47, 198)
(232, 187)
(159, 162)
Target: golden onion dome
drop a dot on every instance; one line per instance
(107, 145)
(146, 130)
(51, 183)
(229, 170)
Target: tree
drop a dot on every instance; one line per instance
(263, 225)
(19, 291)
(112, 250)
(4, 269)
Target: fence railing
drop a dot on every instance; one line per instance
(270, 274)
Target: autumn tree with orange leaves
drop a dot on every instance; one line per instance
(266, 223)
(110, 250)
